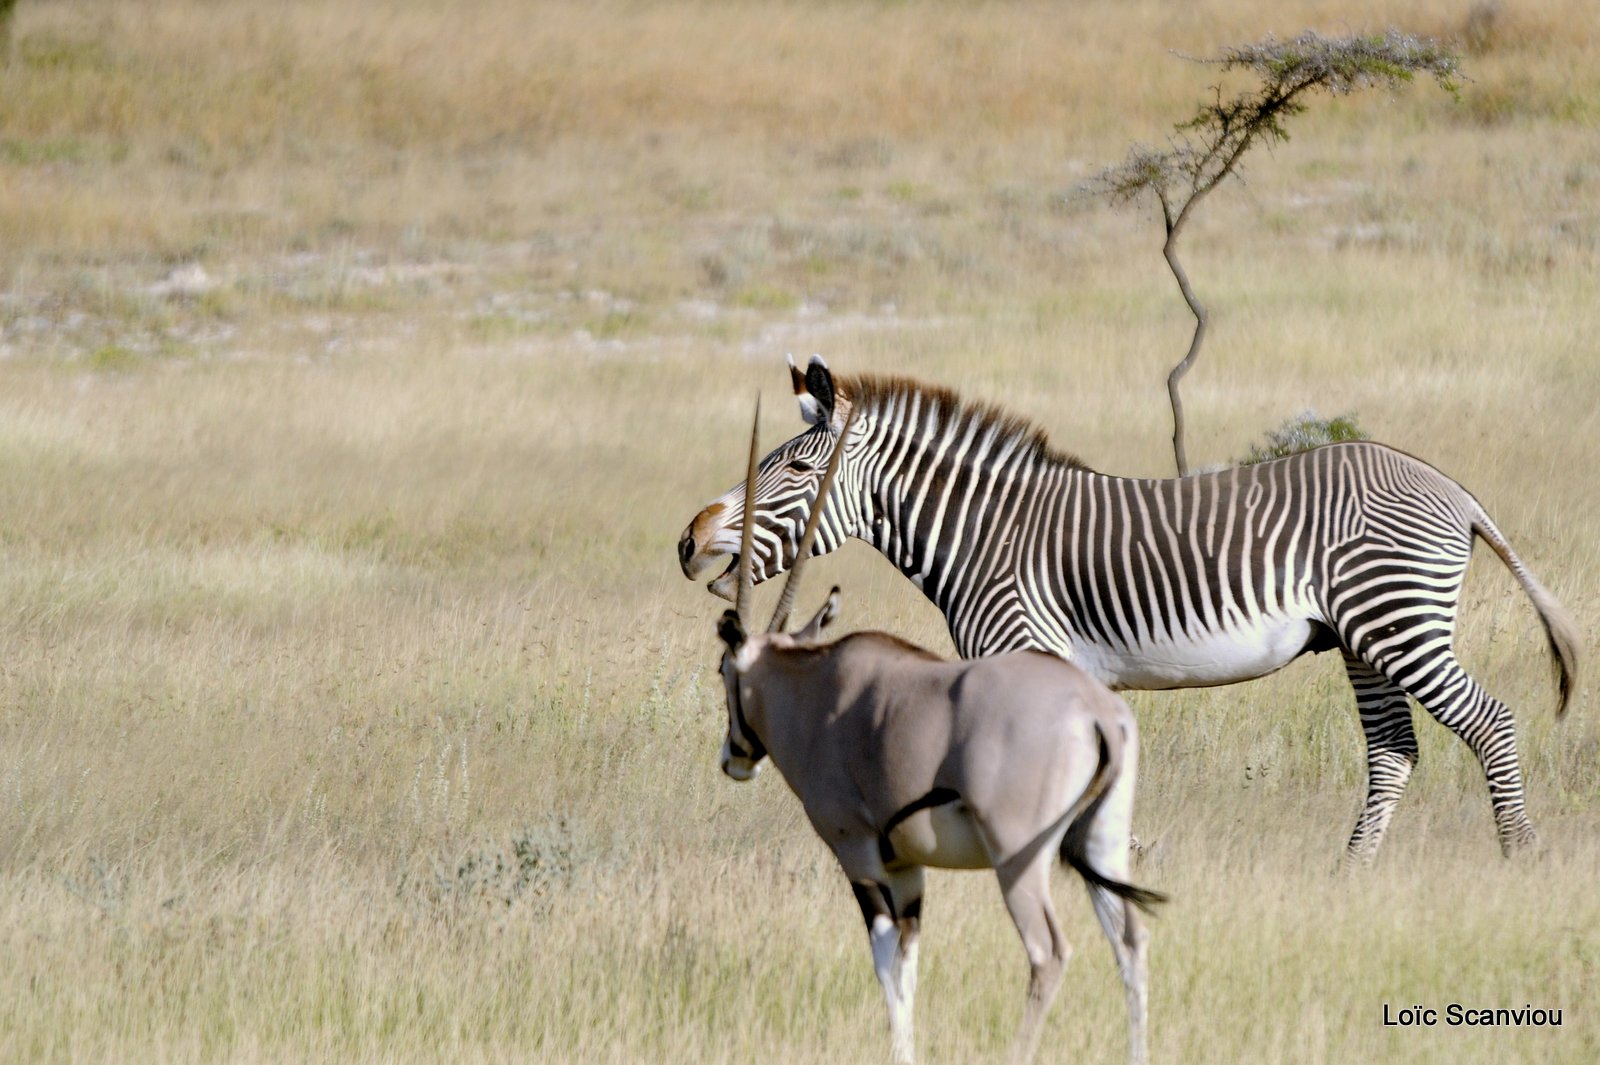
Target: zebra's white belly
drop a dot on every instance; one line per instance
(1236, 654)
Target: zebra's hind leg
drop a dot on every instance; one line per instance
(1484, 724)
(1391, 755)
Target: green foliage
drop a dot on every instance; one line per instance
(112, 358)
(1302, 433)
(767, 298)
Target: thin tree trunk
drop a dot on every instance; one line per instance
(1170, 250)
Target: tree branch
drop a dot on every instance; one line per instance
(1204, 151)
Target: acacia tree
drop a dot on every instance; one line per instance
(1205, 150)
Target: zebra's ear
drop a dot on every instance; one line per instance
(813, 390)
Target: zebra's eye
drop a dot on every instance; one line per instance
(800, 466)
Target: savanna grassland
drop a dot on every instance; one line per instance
(360, 365)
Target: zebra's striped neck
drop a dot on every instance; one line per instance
(944, 479)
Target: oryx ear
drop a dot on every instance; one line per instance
(731, 629)
(812, 630)
(813, 390)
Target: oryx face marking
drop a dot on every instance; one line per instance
(742, 751)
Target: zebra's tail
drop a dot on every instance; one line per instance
(1559, 628)
(1075, 844)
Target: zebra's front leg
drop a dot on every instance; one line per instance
(893, 915)
(1391, 755)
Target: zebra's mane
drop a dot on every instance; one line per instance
(874, 391)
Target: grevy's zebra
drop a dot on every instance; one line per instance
(1153, 584)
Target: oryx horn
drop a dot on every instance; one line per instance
(746, 531)
(780, 617)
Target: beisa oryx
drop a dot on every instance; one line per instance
(903, 761)
(1152, 584)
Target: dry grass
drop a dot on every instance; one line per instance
(359, 368)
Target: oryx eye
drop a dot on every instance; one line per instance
(800, 466)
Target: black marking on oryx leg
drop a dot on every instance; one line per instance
(936, 797)
(874, 900)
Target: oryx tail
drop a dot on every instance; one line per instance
(1075, 844)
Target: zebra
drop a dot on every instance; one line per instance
(1152, 584)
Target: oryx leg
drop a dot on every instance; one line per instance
(1025, 885)
(893, 914)
(1129, 938)
(1109, 855)
(1391, 754)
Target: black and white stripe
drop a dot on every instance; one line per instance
(1151, 584)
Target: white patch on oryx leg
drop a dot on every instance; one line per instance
(908, 971)
(1129, 939)
(889, 963)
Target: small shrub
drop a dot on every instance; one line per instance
(112, 358)
(858, 153)
(1302, 433)
(494, 879)
(766, 298)
(618, 322)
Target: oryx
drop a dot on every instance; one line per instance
(903, 760)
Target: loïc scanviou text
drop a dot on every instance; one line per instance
(1456, 1015)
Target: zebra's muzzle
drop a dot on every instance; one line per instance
(704, 543)
(726, 585)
